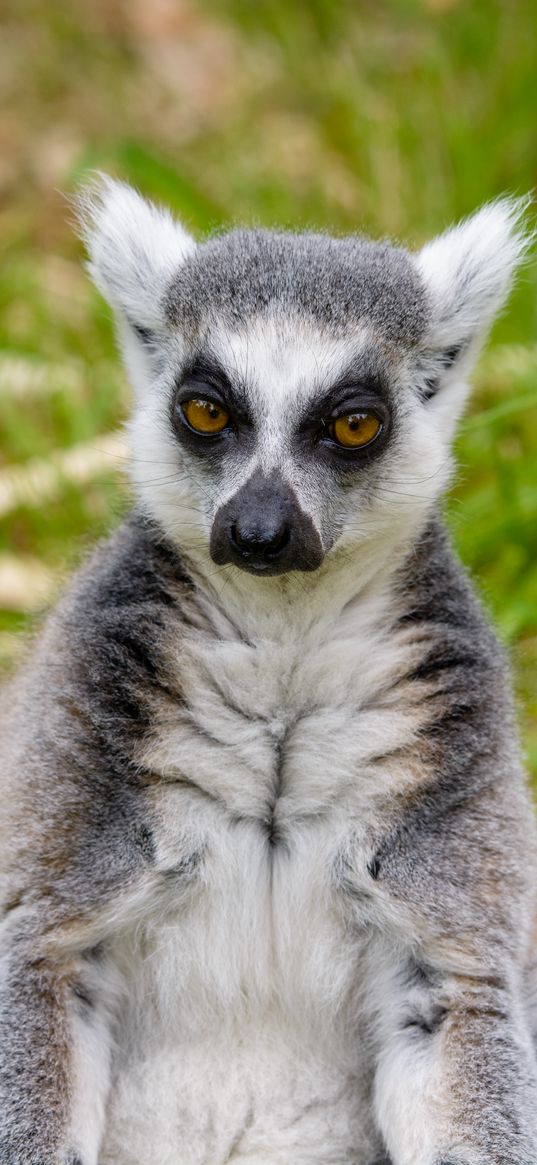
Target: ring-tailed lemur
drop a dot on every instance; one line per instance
(268, 856)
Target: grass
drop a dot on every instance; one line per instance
(395, 117)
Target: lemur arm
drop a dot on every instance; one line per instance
(450, 879)
(61, 993)
(456, 1075)
(61, 990)
(77, 851)
(456, 1088)
(55, 1045)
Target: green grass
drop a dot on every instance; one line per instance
(395, 117)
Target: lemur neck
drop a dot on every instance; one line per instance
(300, 603)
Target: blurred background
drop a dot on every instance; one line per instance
(390, 116)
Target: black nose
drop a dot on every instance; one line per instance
(262, 541)
(263, 529)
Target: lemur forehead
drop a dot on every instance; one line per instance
(285, 358)
(338, 282)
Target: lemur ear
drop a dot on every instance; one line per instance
(468, 272)
(134, 249)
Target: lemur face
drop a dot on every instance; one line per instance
(291, 435)
(286, 427)
(297, 394)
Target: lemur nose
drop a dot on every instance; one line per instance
(262, 542)
(263, 529)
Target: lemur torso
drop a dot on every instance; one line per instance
(240, 892)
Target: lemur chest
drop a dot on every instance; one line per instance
(275, 763)
(283, 735)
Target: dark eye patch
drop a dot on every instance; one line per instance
(362, 384)
(360, 389)
(206, 377)
(206, 369)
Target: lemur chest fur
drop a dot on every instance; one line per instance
(274, 765)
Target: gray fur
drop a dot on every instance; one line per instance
(337, 281)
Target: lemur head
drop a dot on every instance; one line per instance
(296, 395)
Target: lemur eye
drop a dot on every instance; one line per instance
(205, 416)
(356, 430)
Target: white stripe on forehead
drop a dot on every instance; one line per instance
(285, 363)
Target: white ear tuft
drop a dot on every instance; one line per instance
(134, 249)
(468, 272)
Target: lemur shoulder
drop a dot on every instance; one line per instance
(267, 852)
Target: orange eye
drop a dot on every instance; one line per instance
(205, 416)
(356, 429)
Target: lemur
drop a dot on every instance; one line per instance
(267, 850)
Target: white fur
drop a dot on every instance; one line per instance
(92, 1050)
(469, 270)
(134, 248)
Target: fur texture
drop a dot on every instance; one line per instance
(267, 852)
